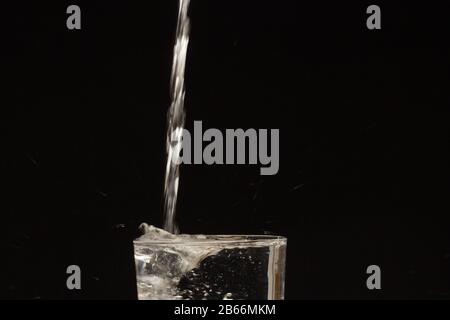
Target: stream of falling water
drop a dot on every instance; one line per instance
(176, 117)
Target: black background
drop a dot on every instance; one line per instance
(364, 154)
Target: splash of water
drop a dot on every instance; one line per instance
(176, 117)
(191, 267)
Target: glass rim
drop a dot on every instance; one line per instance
(221, 239)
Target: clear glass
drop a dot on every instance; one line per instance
(211, 268)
